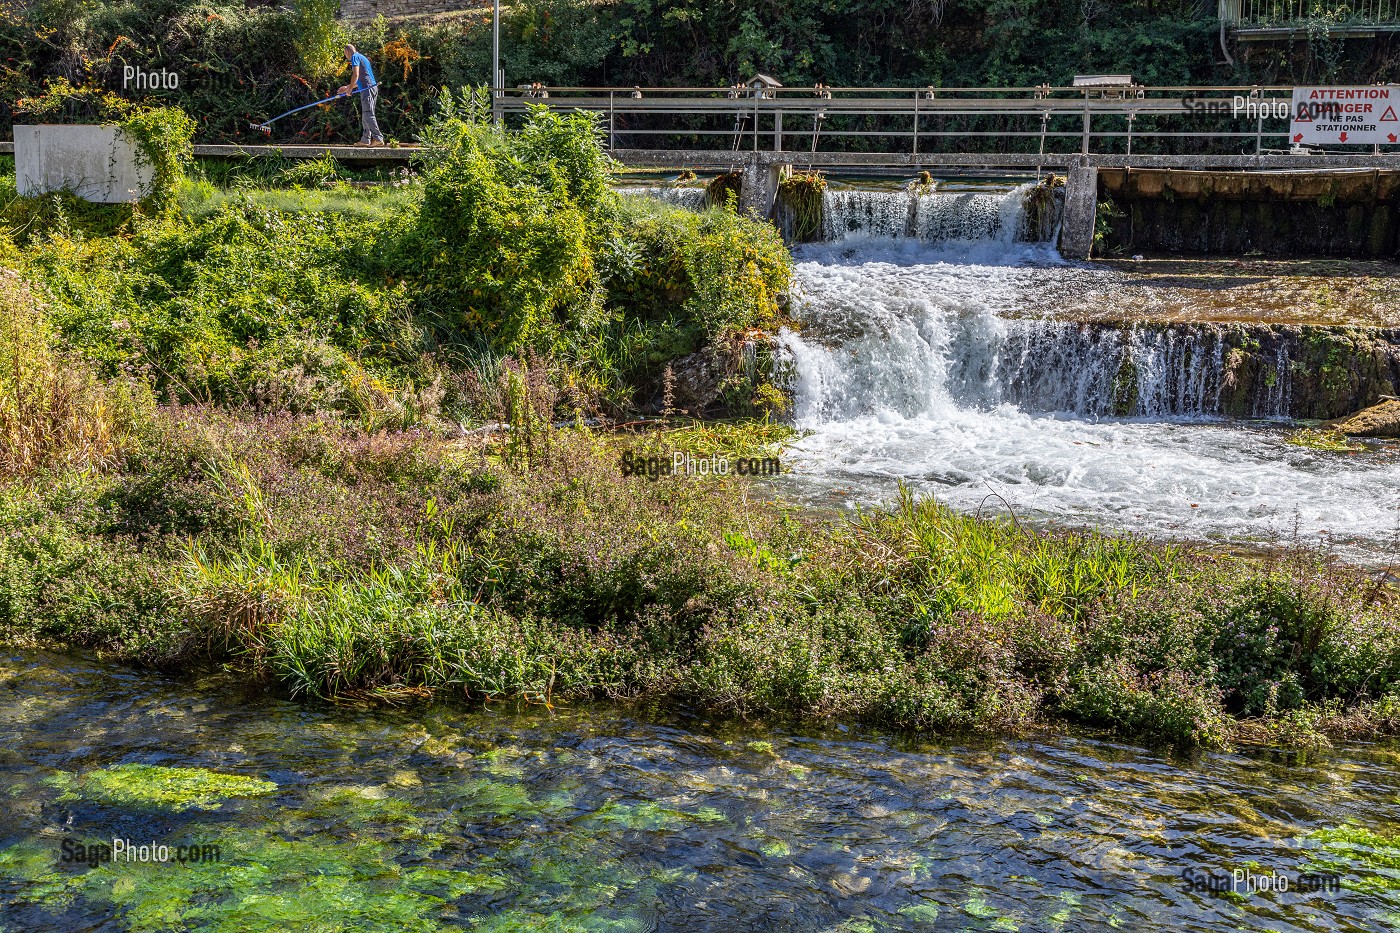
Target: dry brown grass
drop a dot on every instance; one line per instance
(53, 412)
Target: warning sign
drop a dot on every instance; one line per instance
(1345, 116)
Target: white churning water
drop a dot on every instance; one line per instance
(910, 364)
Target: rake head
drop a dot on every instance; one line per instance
(262, 128)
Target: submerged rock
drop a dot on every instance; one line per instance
(1382, 420)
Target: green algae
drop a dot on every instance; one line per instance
(262, 884)
(347, 879)
(498, 799)
(776, 848)
(647, 816)
(153, 786)
(1367, 861)
(365, 810)
(920, 913)
(1329, 441)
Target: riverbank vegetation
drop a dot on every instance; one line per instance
(405, 304)
(336, 562)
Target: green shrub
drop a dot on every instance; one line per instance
(319, 38)
(1174, 706)
(504, 237)
(723, 272)
(61, 584)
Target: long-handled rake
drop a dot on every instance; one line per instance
(266, 128)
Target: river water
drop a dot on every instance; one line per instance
(933, 349)
(601, 818)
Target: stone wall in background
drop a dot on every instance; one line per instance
(389, 9)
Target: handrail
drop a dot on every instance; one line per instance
(904, 89)
(1190, 115)
(1331, 13)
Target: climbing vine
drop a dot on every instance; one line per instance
(163, 137)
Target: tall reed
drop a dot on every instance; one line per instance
(53, 412)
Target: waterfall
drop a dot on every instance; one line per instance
(695, 199)
(931, 358)
(933, 347)
(924, 301)
(931, 217)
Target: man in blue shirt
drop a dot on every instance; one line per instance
(362, 79)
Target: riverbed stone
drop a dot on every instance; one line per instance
(1382, 420)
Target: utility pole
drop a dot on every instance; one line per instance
(497, 82)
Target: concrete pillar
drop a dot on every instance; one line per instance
(96, 162)
(1081, 205)
(759, 187)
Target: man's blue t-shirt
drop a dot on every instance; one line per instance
(366, 72)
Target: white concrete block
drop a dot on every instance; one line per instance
(97, 163)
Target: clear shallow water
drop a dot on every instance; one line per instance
(607, 819)
(935, 364)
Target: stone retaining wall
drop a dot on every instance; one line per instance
(391, 9)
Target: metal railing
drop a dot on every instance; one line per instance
(1046, 120)
(1287, 12)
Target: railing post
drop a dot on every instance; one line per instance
(612, 122)
(1084, 145)
(916, 122)
(778, 131)
(1040, 161)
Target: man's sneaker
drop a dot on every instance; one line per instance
(362, 144)
(378, 142)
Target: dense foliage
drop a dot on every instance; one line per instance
(238, 64)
